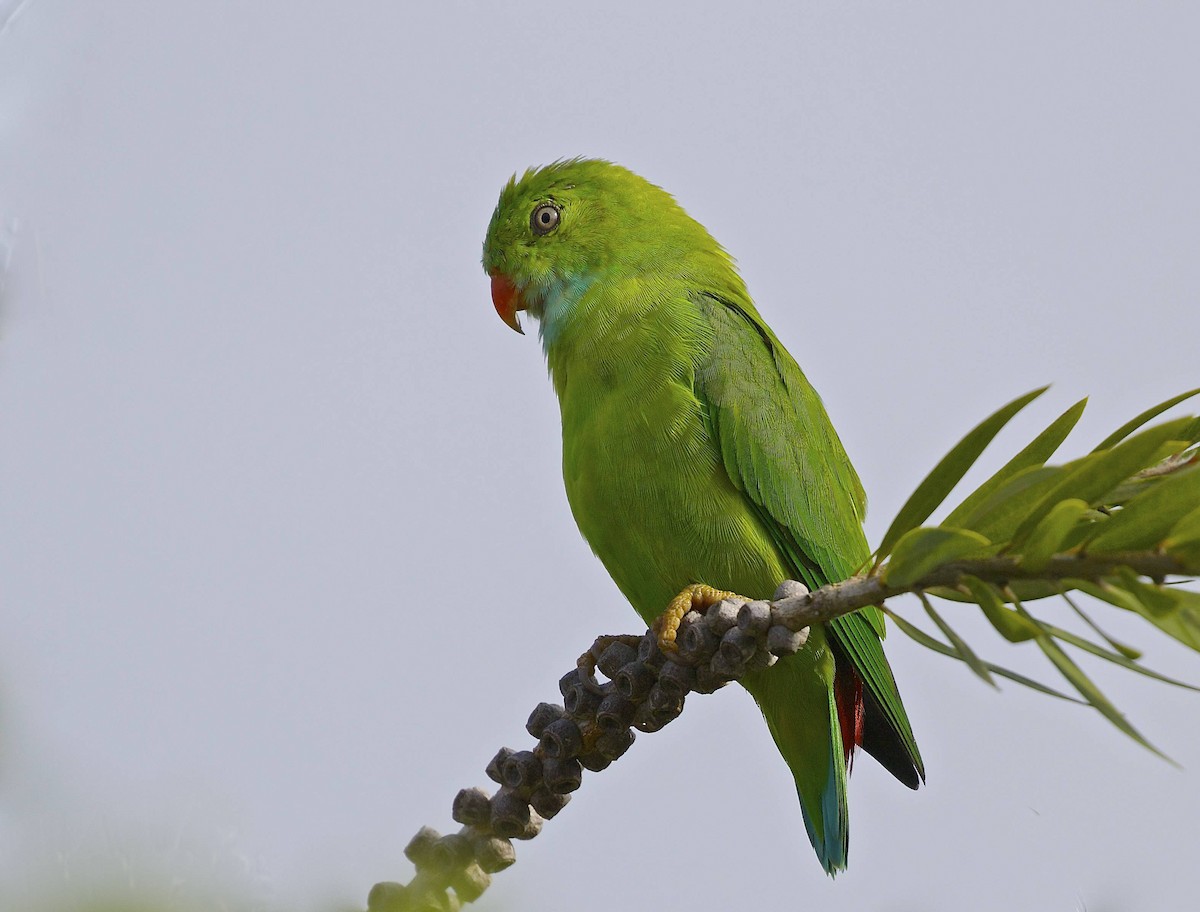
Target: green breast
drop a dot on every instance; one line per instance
(643, 476)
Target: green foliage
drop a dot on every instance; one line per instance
(1033, 456)
(1151, 413)
(924, 549)
(1009, 623)
(949, 472)
(958, 643)
(1113, 525)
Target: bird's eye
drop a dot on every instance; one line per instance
(544, 219)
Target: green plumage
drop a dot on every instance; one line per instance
(694, 449)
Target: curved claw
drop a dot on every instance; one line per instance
(697, 596)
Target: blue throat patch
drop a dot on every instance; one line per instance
(558, 300)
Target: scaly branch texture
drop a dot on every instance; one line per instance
(593, 727)
(1116, 525)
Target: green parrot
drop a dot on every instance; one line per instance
(696, 452)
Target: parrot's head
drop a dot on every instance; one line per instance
(562, 226)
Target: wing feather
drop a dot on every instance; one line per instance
(780, 449)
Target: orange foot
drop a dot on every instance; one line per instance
(697, 596)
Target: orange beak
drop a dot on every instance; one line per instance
(507, 301)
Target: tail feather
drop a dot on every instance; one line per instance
(885, 736)
(798, 700)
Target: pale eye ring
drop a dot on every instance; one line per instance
(544, 218)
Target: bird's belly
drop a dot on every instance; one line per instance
(652, 498)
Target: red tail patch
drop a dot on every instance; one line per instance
(848, 695)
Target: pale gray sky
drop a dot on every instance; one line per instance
(284, 550)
